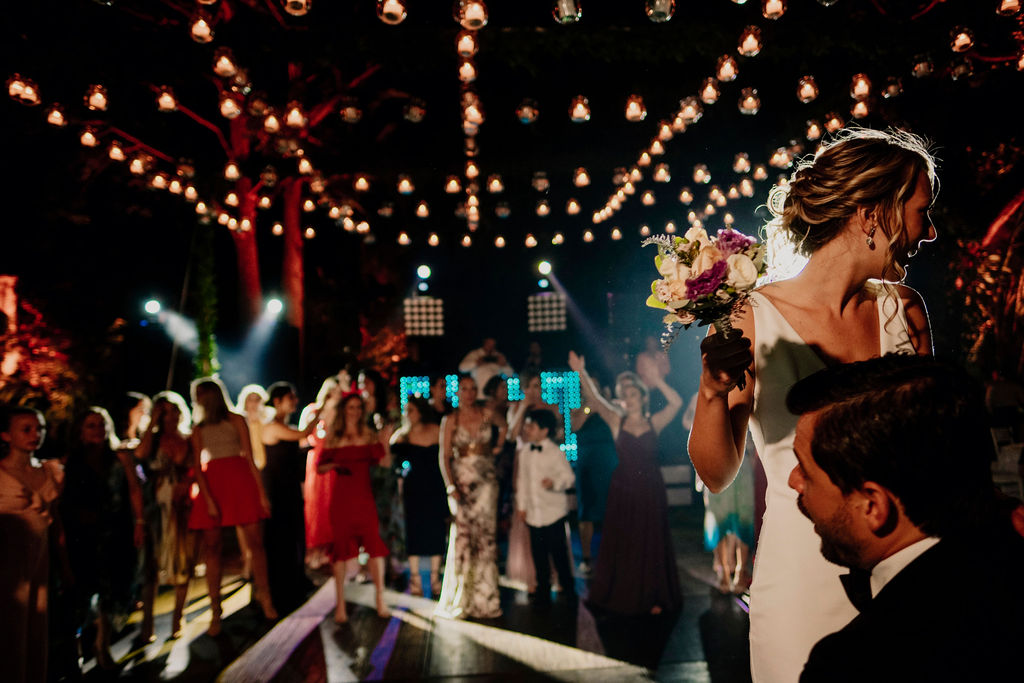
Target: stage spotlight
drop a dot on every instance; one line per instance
(543, 283)
(423, 272)
(275, 306)
(152, 306)
(423, 286)
(544, 268)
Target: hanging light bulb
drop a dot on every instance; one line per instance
(264, 202)
(645, 230)
(527, 111)
(405, 185)
(543, 208)
(138, 165)
(728, 219)
(715, 193)
(23, 90)
(348, 224)
(231, 199)
(391, 12)
(452, 185)
(747, 187)
(309, 233)
(467, 71)
(813, 130)
(472, 201)
(96, 98)
(760, 172)
(860, 109)
(473, 114)
(530, 241)
(467, 241)
(635, 175)
(472, 170)
(635, 108)
(567, 11)
(686, 196)
(309, 206)
(231, 171)
(201, 29)
(661, 174)
(893, 87)
(55, 116)
(362, 227)
(295, 118)
(644, 159)
(116, 151)
(422, 210)
(741, 163)
(572, 207)
(540, 181)
(749, 102)
(433, 239)
(647, 199)
(709, 91)
(271, 123)
(588, 236)
(1008, 8)
(350, 111)
(403, 239)
(557, 238)
(165, 99)
(305, 166)
(860, 87)
(807, 89)
(361, 184)
(690, 110)
(701, 174)
(961, 39)
(750, 42)
(665, 131)
(88, 137)
(733, 192)
(201, 208)
(580, 177)
(494, 184)
(773, 9)
(781, 158)
(670, 227)
(224, 62)
(579, 109)
(297, 8)
(660, 11)
(229, 108)
(465, 44)
(678, 124)
(232, 224)
(726, 68)
(223, 218)
(277, 229)
(471, 14)
(833, 122)
(923, 66)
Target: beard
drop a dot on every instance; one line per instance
(838, 544)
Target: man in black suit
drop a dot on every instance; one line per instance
(894, 470)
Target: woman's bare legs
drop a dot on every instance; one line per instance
(415, 581)
(180, 595)
(254, 538)
(435, 576)
(340, 571)
(243, 546)
(211, 551)
(377, 574)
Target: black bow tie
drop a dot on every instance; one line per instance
(536, 447)
(857, 585)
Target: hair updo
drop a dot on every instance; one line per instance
(860, 167)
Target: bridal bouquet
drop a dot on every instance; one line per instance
(704, 279)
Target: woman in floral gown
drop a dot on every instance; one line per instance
(470, 586)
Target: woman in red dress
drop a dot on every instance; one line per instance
(230, 490)
(349, 450)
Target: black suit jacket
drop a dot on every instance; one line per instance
(956, 613)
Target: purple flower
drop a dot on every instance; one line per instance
(731, 242)
(707, 282)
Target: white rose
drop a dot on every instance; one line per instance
(742, 272)
(698, 235)
(707, 257)
(673, 269)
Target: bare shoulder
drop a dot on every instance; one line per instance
(917, 318)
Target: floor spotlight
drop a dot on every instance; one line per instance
(423, 272)
(152, 306)
(543, 283)
(544, 268)
(274, 306)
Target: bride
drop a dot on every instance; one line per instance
(859, 209)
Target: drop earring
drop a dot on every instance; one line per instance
(870, 240)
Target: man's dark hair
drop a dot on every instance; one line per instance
(279, 390)
(913, 424)
(544, 419)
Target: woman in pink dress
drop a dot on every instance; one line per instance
(28, 492)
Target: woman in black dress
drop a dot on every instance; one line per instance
(423, 491)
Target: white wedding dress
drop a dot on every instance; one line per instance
(796, 597)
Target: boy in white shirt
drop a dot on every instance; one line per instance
(544, 476)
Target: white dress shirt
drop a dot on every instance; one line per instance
(884, 571)
(543, 506)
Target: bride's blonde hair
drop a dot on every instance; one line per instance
(859, 167)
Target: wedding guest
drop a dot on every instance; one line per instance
(252, 403)
(893, 470)
(230, 491)
(317, 488)
(596, 462)
(424, 499)
(438, 395)
(103, 515)
(350, 448)
(167, 445)
(485, 362)
(636, 570)
(377, 396)
(534, 362)
(470, 585)
(28, 494)
(859, 209)
(284, 532)
(543, 478)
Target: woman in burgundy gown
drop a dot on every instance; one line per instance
(636, 565)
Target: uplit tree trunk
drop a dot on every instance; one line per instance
(245, 249)
(293, 267)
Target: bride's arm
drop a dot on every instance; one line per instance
(722, 410)
(920, 328)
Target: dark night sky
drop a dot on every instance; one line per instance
(90, 244)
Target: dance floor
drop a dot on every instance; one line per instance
(707, 641)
